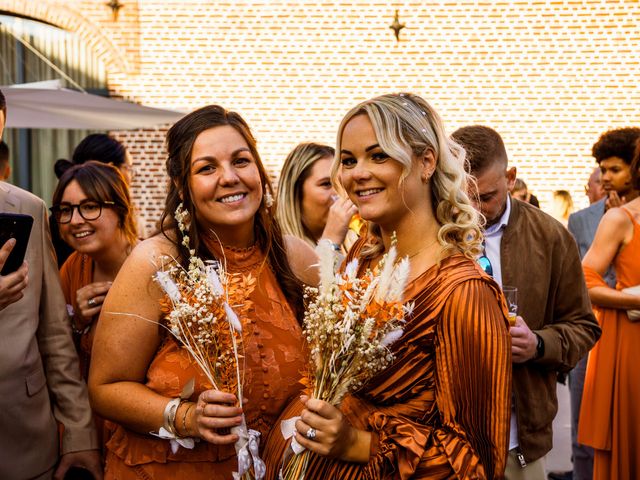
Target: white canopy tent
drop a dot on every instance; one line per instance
(48, 105)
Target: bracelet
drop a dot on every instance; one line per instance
(184, 419)
(169, 415)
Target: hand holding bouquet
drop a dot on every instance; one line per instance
(202, 304)
(349, 324)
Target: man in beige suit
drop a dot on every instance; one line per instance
(39, 376)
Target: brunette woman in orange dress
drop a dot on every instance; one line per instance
(611, 399)
(138, 369)
(441, 409)
(93, 210)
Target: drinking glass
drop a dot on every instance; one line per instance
(511, 296)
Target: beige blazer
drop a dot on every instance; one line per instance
(39, 375)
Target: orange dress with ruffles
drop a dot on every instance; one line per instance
(273, 363)
(441, 410)
(609, 413)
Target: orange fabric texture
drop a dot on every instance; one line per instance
(441, 409)
(274, 357)
(75, 273)
(609, 410)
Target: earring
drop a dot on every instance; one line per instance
(268, 198)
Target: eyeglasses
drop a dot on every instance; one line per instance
(485, 265)
(88, 209)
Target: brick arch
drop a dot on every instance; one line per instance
(71, 20)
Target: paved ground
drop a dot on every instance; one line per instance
(559, 459)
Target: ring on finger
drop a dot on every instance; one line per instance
(311, 433)
(91, 302)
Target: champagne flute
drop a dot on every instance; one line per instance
(511, 296)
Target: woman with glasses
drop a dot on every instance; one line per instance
(92, 207)
(441, 408)
(97, 147)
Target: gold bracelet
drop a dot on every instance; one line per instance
(184, 419)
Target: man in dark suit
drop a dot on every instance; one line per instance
(40, 382)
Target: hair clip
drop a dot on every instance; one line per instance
(423, 113)
(424, 130)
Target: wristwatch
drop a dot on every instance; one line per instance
(539, 347)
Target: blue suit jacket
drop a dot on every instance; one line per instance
(583, 225)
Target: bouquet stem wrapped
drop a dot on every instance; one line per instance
(202, 318)
(349, 323)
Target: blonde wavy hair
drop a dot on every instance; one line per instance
(406, 127)
(296, 169)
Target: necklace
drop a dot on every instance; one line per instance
(425, 247)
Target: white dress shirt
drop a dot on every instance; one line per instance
(492, 240)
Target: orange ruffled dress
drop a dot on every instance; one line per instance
(609, 413)
(273, 363)
(442, 408)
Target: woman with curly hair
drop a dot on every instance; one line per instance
(441, 408)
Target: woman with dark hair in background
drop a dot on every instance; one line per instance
(100, 148)
(219, 183)
(308, 206)
(92, 207)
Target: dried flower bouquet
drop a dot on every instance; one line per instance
(202, 302)
(349, 324)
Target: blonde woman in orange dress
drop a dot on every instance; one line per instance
(611, 398)
(138, 369)
(441, 409)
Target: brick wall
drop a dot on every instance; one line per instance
(550, 76)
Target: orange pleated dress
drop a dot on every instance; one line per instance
(273, 364)
(441, 410)
(610, 409)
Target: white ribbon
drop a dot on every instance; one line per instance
(175, 442)
(247, 451)
(288, 429)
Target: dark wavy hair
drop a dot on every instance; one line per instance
(180, 140)
(102, 183)
(620, 143)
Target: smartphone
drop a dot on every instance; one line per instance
(18, 226)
